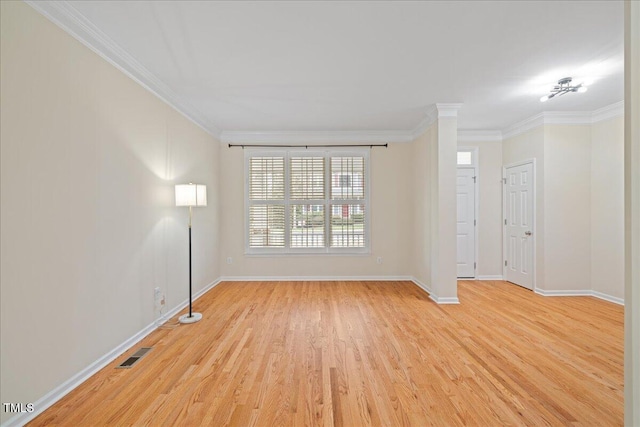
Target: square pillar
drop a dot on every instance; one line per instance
(444, 285)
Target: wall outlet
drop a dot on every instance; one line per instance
(229, 260)
(158, 298)
(379, 260)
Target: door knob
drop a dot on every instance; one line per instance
(527, 233)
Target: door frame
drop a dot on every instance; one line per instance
(534, 222)
(475, 165)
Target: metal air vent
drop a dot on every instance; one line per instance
(133, 359)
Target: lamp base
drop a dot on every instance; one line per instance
(193, 319)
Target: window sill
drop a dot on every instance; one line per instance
(280, 254)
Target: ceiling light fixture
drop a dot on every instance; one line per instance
(564, 86)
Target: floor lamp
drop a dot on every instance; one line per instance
(190, 195)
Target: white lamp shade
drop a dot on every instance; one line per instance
(191, 195)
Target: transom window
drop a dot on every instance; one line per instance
(464, 158)
(306, 201)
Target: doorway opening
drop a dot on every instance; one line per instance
(467, 209)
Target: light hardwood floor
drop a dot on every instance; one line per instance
(367, 353)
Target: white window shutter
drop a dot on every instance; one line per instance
(291, 208)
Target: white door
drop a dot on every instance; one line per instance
(519, 225)
(466, 242)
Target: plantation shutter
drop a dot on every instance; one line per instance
(266, 178)
(306, 201)
(347, 202)
(266, 199)
(307, 210)
(307, 178)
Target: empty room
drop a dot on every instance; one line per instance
(292, 213)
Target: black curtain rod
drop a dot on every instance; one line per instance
(305, 146)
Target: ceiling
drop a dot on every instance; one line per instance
(357, 66)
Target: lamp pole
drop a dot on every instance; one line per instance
(190, 300)
(191, 195)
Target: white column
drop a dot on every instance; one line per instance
(444, 285)
(632, 215)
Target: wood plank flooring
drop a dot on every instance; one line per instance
(367, 353)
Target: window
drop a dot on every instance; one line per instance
(306, 202)
(266, 192)
(464, 158)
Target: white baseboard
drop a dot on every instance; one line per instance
(63, 389)
(312, 278)
(421, 285)
(435, 298)
(615, 300)
(199, 293)
(444, 300)
(490, 278)
(580, 293)
(563, 293)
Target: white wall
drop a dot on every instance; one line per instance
(88, 162)
(607, 199)
(567, 207)
(391, 220)
(579, 204)
(489, 216)
(422, 162)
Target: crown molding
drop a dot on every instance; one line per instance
(608, 112)
(448, 110)
(432, 114)
(479, 136)
(548, 118)
(430, 117)
(564, 118)
(65, 16)
(523, 126)
(567, 117)
(315, 137)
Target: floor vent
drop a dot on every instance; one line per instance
(133, 359)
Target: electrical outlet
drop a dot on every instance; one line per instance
(158, 298)
(379, 260)
(229, 260)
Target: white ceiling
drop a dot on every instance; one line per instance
(359, 66)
